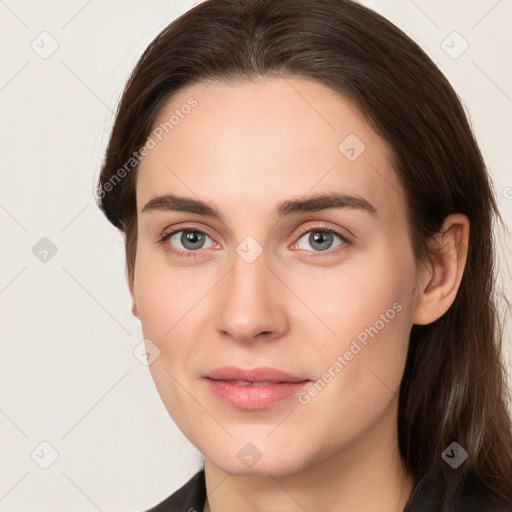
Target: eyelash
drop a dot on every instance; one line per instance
(346, 241)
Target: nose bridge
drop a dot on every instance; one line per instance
(248, 303)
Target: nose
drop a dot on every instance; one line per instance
(250, 303)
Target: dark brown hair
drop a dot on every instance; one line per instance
(454, 384)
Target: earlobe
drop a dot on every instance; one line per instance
(441, 280)
(134, 309)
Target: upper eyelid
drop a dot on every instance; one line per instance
(168, 232)
(327, 227)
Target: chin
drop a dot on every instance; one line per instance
(274, 467)
(258, 458)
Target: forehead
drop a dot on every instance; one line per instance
(273, 138)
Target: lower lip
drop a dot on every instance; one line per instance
(254, 397)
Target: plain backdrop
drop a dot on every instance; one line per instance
(82, 427)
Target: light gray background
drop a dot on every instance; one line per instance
(68, 374)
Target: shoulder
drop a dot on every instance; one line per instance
(188, 498)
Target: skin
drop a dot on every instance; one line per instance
(245, 148)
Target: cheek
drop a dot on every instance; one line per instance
(360, 368)
(368, 309)
(355, 298)
(152, 300)
(162, 295)
(164, 304)
(170, 303)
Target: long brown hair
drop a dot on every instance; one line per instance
(454, 387)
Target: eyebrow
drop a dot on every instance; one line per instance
(174, 203)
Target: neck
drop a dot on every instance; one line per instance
(367, 475)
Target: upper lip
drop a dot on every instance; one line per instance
(253, 374)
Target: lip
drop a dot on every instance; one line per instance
(267, 387)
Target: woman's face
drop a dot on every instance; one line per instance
(271, 276)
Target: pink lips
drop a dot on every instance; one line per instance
(256, 388)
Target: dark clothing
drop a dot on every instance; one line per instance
(191, 498)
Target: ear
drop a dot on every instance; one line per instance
(440, 281)
(132, 295)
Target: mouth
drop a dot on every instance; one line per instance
(253, 389)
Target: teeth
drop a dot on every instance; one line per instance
(241, 382)
(248, 383)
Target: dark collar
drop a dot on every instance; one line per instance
(426, 497)
(189, 498)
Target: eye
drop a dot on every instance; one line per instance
(321, 239)
(189, 242)
(185, 242)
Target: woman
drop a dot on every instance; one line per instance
(307, 219)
